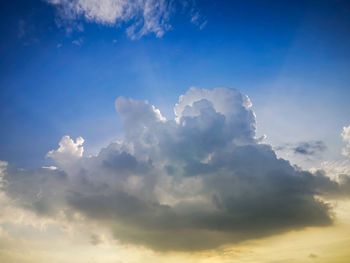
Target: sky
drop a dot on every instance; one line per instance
(167, 131)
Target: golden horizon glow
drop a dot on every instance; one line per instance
(24, 241)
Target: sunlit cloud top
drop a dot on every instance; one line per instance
(194, 182)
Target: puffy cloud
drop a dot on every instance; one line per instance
(194, 182)
(147, 16)
(68, 151)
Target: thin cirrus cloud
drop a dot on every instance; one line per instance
(142, 16)
(194, 182)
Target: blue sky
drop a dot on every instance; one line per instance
(290, 57)
(134, 131)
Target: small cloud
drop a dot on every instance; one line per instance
(26, 33)
(50, 167)
(203, 25)
(313, 255)
(195, 18)
(306, 148)
(68, 151)
(59, 45)
(310, 148)
(95, 240)
(78, 42)
(198, 20)
(80, 27)
(114, 41)
(21, 28)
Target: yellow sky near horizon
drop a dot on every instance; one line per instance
(22, 241)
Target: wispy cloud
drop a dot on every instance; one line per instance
(142, 16)
(346, 138)
(194, 182)
(310, 148)
(198, 20)
(306, 148)
(78, 42)
(21, 28)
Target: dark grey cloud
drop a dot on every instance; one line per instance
(307, 149)
(310, 148)
(195, 182)
(39, 190)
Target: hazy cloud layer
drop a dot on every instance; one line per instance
(141, 16)
(195, 182)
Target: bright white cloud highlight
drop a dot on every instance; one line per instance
(68, 151)
(146, 16)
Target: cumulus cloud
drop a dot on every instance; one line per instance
(68, 151)
(142, 16)
(194, 182)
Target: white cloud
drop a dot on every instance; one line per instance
(194, 182)
(78, 42)
(198, 20)
(146, 16)
(334, 169)
(337, 169)
(68, 151)
(346, 138)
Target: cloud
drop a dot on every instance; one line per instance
(78, 42)
(142, 16)
(198, 20)
(95, 240)
(310, 148)
(339, 169)
(346, 138)
(68, 151)
(21, 28)
(194, 182)
(38, 190)
(312, 255)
